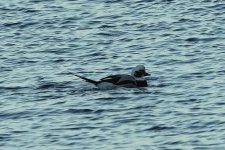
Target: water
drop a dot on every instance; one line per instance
(42, 106)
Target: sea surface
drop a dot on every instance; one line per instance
(44, 107)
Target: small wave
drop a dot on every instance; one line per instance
(74, 111)
(12, 24)
(87, 127)
(5, 137)
(90, 111)
(158, 128)
(27, 24)
(49, 85)
(106, 26)
(84, 111)
(191, 100)
(12, 88)
(192, 39)
(18, 132)
(114, 1)
(15, 115)
(195, 39)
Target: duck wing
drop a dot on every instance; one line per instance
(111, 79)
(120, 80)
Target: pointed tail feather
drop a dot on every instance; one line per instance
(87, 80)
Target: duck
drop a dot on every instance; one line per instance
(135, 80)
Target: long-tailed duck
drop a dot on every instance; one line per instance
(136, 79)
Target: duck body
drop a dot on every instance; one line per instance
(121, 80)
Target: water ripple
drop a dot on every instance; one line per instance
(43, 106)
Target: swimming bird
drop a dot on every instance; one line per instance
(136, 79)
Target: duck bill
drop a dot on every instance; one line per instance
(147, 74)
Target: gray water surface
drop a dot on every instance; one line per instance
(43, 106)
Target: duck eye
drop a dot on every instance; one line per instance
(138, 73)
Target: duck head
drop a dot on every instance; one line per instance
(139, 72)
